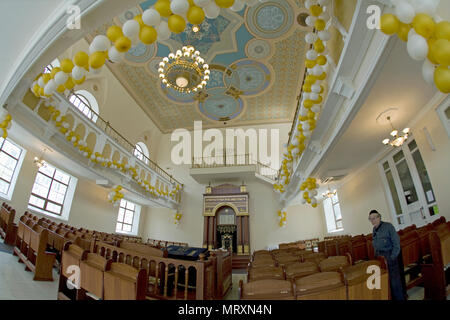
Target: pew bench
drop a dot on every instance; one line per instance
(8, 229)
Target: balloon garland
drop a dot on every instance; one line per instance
(282, 221)
(313, 88)
(115, 196)
(177, 217)
(154, 24)
(63, 126)
(427, 39)
(309, 187)
(5, 125)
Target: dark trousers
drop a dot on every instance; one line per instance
(395, 277)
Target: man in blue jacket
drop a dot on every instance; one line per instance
(386, 243)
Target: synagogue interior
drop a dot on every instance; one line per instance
(225, 150)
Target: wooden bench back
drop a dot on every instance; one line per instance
(92, 274)
(334, 263)
(321, 286)
(143, 248)
(411, 251)
(123, 282)
(261, 273)
(268, 289)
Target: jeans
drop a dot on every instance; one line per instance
(395, 276)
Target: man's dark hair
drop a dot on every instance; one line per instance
(374, 211)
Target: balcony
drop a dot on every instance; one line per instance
(31, 114)
(229, 166)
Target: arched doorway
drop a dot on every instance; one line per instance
(226, 230)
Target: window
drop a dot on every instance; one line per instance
(52, 192)
(128, 217)
(333, 214)
(53, 64)
(11, 159)
(85, 102)
(141, 152)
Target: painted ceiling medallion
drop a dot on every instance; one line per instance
(184, 71)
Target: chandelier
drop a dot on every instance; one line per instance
(184, 71)
(397, 139)
(329, 193)
(39, 161)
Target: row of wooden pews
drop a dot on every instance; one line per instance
(165, 243)
(8, 229)
(305, 275)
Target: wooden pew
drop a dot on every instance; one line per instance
(436, 274)
(70, 261)
(8, 229)
(359, 248)
(262, 273)
(300, 269)
(124, 282)
(267, 290)
(92, 276)
(321, 286)
(224, 269)
(412, 258)
(335, 263)
(355, 279)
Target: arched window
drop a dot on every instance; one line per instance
(86, 103)
(141, 152)
(53, 64)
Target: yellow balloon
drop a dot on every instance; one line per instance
(163, 7)
(308, 104)
(320, 24)
(389, 24)
(319, 100)
(322, 77)
(314, 205)
(54, 71)
(310, 79)
(123, 44)
(424, 25)
(442, 30)
(80, 81)
(191, 3)
(176, 23)
(315, 10)
(318, 46)
(97, 60)
(81, 59)
(66, 65)
(138, 18)
(113, 33)
(403, 31)
(441, 51)
(61, 88)
(430, 55)
(69, 84)
(321, 60)
(147, 34)
(442, 79)
(224, 3)
(46, 77)
(307, 87)
(195, 15)
(310, 63)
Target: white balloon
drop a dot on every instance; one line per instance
(428, 72)
(303, 111)
(404, 11)
(325, 16)
(41, 82)
(131, 28)
(313, 96)
(310, 21)
(311, 54)
(305, 126)
(179, 7)
(95, 71)
(212, 11)
(417, 47)
(324, 35)
(50, 87)
(315, 88)
(238, 5)
(101, 43)
(163, 31)
(310, 38)
(151, 17)
(61, 78)
(317, 70)
(114, 55)
(202, 3)
(315, 109)
(78, 73)
(307, 133)
(425, 6)
(308, 4)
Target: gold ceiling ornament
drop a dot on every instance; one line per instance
(184, 71)
(398, 138)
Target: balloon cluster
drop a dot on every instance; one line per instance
(154, 24)
(282, 221)
(63, 126)
(5, 125)
(309, 187)
(428, 39)
(313, 86)
(177, 217)
(115, 196)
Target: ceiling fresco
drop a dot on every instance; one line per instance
(256, 58)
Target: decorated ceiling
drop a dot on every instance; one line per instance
(256, 58)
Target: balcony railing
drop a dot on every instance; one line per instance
(105, 126)
(231, 160)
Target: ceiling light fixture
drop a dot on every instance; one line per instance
(397, 139)
(195, 28)
(329, 193)
(184, 71)
(39, 161)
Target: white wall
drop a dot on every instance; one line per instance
(365, 190)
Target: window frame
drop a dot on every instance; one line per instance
(12, 184)
(68, 195)
(141, 153)
(135, 219)
(87, 100)
(333, 214)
